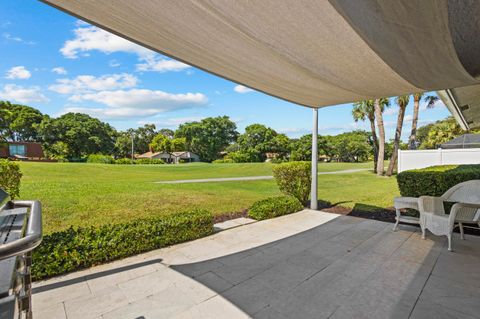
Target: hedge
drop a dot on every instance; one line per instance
(10, 176)
(77, 248)
(274, 207)
(101, 159)
(435, 180)
(294, 178)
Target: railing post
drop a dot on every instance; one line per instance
(314, 188)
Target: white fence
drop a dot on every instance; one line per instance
(425, 158)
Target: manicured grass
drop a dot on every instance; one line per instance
(93, 194)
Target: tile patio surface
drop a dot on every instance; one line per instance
(306, 265)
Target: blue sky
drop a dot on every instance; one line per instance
(56, 63)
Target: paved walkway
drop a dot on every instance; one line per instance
(249, 178)
(305, 265)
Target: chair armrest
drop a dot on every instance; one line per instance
(465, 212)
(431, 204)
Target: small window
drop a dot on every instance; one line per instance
(17, 150)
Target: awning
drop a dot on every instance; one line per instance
(311, 52)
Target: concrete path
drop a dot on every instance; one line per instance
(249, 178)
(305, 265)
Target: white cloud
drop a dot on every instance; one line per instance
(160, 64)
(113, 63)
(92, 38)
(10, 37)
(136, 103)
(18, 72)
(21, 94)
(59, 70)
(390, 111)
(89, 83)
(242, 89)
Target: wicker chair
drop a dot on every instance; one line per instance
(466, 210)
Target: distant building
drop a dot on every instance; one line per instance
(173, 157)
(21, 150)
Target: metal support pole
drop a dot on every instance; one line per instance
(313, 196)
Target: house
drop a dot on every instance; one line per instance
(21, 150)
(172, 157)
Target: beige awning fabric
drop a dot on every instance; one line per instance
(311, 52)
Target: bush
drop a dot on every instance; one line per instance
(435, 180)
(10, 176)
(77, 248)
(222, 161)
(274, 207)
(101, 159)
(149, 161)
(294, 178)
(124, 161)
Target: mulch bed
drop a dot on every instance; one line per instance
(230, 215)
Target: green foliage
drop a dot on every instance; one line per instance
(294, 178)
(222, 161)
(432, 135)
(18, 122)
(161, 143)
(274, 207)
(435, 180)
(245, 156)
(353, 146)
(208, 137)
(10, 176)
(81, 135)
(124, 160)
(100, 159)
(179, 144)
(82, 247)
(149, 161)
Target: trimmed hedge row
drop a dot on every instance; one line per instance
(274, 207)
(82, 247)
(107, 159)
(435, 180)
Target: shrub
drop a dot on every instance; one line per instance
(124, 161)
(10, 176)
(149, 161)
(222, 161)
(435, 180)
(77, 248)
(294, 178)
(101, 159)
(274, 207)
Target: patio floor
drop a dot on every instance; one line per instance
(306, 265)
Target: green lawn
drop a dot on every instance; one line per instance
(91, 194)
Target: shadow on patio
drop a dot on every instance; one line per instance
(348, 268)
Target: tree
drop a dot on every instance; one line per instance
(161, 143)
(143, 136)
(18, 122)
(402, 102)
(167, 132)
(431, 100)
(79, 134)
(123, 144)
(208, 137)
(257, 141)
(355, 146)
(379, 106)
(366, 110)
(301, 149)
(434, 134)
(179, 144)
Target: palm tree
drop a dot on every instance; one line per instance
(402, 102)
(365, 110)
(431, 100)
(379, 106)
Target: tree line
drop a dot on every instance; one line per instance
(74, 136)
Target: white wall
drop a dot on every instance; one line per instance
(425, 158)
